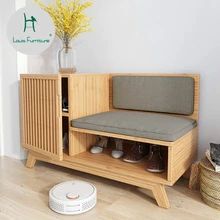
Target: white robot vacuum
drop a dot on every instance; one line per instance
(72, 197)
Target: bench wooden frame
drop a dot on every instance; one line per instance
(89, 94)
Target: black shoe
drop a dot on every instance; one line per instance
(137, 152)
(155, 163)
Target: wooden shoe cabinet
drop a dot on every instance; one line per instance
(44, 124)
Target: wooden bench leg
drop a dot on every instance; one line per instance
(31, 160)
(160, 195)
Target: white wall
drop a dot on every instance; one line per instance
(47, 62)
(9, 89)
(1, 133)
(155, 36)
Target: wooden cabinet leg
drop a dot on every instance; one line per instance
(161, 196)
(31, 160)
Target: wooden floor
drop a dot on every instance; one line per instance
(24, 195)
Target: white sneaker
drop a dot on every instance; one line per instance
(96, 150)
(100, 144)
(117, 154)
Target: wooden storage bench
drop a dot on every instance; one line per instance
(91, 94)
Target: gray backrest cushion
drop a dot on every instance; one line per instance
(154, 93)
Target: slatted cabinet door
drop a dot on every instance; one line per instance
(41, 114)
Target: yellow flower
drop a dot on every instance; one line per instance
(69, 18)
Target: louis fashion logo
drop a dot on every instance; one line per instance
(31, 30)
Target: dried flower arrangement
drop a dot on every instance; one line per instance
(68, 17)
(70, 20)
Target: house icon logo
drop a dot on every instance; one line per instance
(29, 23)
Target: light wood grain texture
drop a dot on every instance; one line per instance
(161, 196)
(103, 165)
(194, 176)
(39, 76)
(121, 136)
(41, 114)
(88, 94)
(58, 114)
(183, 154)
(31, 160)
(24, 196)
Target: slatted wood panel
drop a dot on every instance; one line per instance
(181, 154)
(41, 114)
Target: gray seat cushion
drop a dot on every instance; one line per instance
(139, 124)
(154, 93)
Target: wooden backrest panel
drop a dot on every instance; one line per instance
(88, 94)
(196, 78)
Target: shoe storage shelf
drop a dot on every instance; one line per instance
(50, 102)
